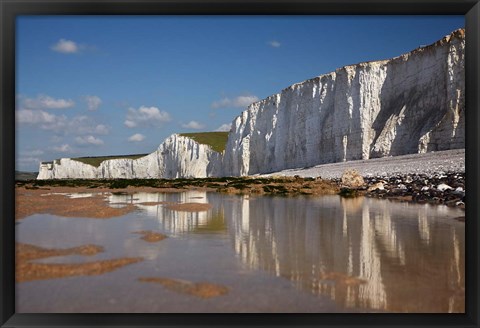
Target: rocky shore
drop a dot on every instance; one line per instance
(447, 188)
(434, 177)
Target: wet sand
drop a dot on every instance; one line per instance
(151, 236)
(200, 289)
(27, 252)
(56, 200)
(190, 207)
(29, 202)
(28, 271)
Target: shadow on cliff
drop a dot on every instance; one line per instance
(413, 106)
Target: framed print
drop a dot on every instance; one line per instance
(194, 163)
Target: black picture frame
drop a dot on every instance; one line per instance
(9, 9)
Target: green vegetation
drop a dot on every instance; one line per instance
(216, 140)
(96, 161)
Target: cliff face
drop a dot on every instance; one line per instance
(176, 157)
(413, 103)
(66, 168)
(409, 104)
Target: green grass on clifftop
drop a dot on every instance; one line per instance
(216, 140)
(95, 161)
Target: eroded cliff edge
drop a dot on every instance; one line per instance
(414, 103)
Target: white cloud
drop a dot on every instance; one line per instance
(47, 102)
(193, 125)
(148, 116)
(89, 140)
(239, 102)
(29, 116)
(42, 119)
(222, 103)
(65, 47)
(65, 148)
(137, 137)
(86, 125)
(101, 129)
(274, 44)
(93, 102)
(224, 127)
(80, 125)
(130, 123)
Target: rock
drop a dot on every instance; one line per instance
(352, 179)
(459, 193)
(443, 187)
(376, 186)
(402, 187)
(417, 192)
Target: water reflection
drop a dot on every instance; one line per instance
(173, 221)
(361, 252)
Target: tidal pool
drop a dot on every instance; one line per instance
(254, 254)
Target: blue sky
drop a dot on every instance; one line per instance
(111, 85)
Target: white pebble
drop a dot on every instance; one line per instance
(443, 187)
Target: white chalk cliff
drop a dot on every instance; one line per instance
(408, 104)
(413, 103)
(176, 157)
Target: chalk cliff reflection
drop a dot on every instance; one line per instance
(361, 252)
(176, 221)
